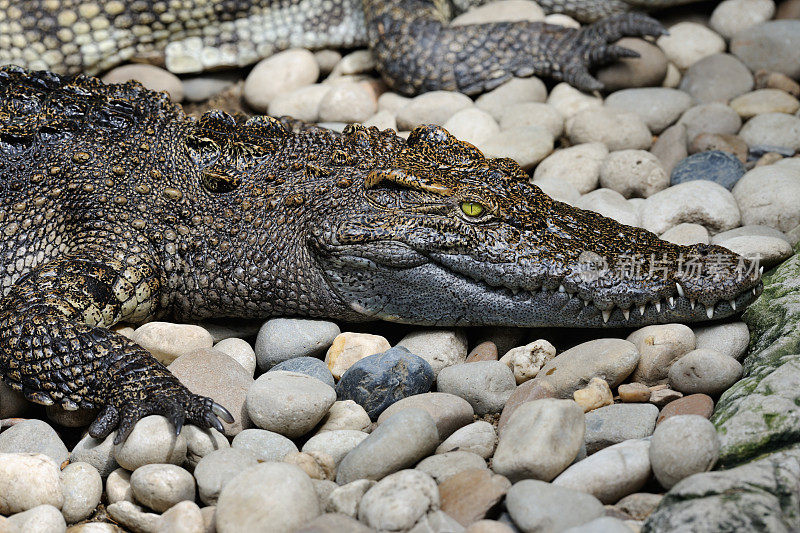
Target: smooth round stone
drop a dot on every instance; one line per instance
(470, 494)
(694, 404)
(539, 440)
(382, 120)
(345, 499)
(280, 73)
(732, 144)
(500, 11)
(673, 77)
(398, 443)
(770, 196)
(611, 204)
(280, 339)
(472, 125)
(717, 78)
(633, 173)
(449, 411)
(779, 130)
(28, 480)
(202, 88)
(97, 452)
(569, 101)
(658, 107)
(434, 107)
(357, 62)
(347, 102)
(647, 70)
(118, 486)
(151, 76)
(269, 497)
(514, 91)
(527, 145)
(578, 165)
(440, 347)
(751, 231)
(486, 385)
(563, 191)
(489, 526)
(698, 201)
(704, 371)
(335, 523)
(532, 114)
(710, 118)
(611, 473)
(670, 147)
(132, 517)
(392, 102)
(681, 446)
(168, 341)
(686, 234)
(83, 488)
(716, 166)
(40, 519)
(378, 381)
(398, 501)
(310, 366)
(345, 414)
(485, 351)
(616, 423)
(152, 441)
(266, 445)
(772, 46)
(320, 468)
(604, 524)
(201, 442)
(770, 251)
(444, 465)
(526, 361)
(634, 392)
(240, 351)
(538, 506)
(689, 42)
(160, 486)
(776, 80)
(34, 436)
(733, 16)
(479, 438)
(207, 372)
(595, 395)
(659, 346)
(617, 130)
(764, 101)
(183, 517)
(216, 469)
(728, 339)
(349, 348)
(336, 443)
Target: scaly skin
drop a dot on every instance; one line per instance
(76, 36)
(116, 207)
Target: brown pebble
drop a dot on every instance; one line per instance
(776, 80)
(485, 351)
(733, 144)
(527, 392)
(661, 397)
(694, 404)
(639, 505)
(768, 159)
(488, 526)
(470, 494)
(634, 392)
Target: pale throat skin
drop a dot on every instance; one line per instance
(117, 207)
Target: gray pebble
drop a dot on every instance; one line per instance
(633, 173)
(240, 351)
(439, 347)
(617, 130)
(445, 465)
(699, 201)
(686, 234)
(479, 438)
(34, 436)
(280, 339)
(770, 251)
(337, 443)
(82, 488)
(201, 442)
(659, 346)
(657, 106)
(683, 445)
(779, 130)
(335, 523)
(538, 506)
(218, 468)
(97, 452)
(28, 480)
(449, 411)
(133, 517)
(670, 147)
(183, 517)
(728, 339)
(345, 414)
(399, 500)
(486, 385)
(118, 486)
(704, 371)
(266, 445)
(605, 524)
(160, 486)
(434, 107)
(578, 165)
(278, 74)
(710, 118)
(613, 424)
(346, 498)
(772, 46)
(311, 366)
(201, 88)
(152, 441)
(770, 196)
(40, 519)
(716, 78)
(514, 91)
(151, 76)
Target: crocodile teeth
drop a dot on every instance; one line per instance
(733, 304)
(561, 288)
(692, 302)
(710, 311)
(515, 291)
(761, 271)
(586, 303)
(680, 290)
(641, 310)
(626, 313)
(754, 291)
(671, 301)
(606, 315)
(658, 306)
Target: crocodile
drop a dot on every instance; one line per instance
(416, 49)
(117, 207)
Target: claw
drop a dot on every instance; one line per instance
(177, 416)
(213, 422)
(221, 412)
(105, 423)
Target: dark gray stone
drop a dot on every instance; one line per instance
(714, 165)
(310, 366)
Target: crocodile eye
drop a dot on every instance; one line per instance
(472, 209)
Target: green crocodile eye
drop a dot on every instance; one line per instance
(472, 209)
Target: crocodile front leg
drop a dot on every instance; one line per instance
(55, 346)
(417, 51)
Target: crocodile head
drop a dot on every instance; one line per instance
(440, 235)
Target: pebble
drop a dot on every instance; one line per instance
(514, 91)
(605, 524)
(160, 486)
(673, 77)
(398, 443)
(118, 486)
(319, 466)
(448, 410)
(485, 351)
(334, 523)
(773, 46)
(775, 80)
(764, 101)
(357, 62)
(34, 436)
(434, 107)
(658, 107)
(778, 130)
(205, 87)
(613, 424)
(557, 189)
(479, 438)
(240, 351)
(500, 11)
(152, 77)
(611, 204)
(681, 446)
(686, 234)
(345, 414)
(382, 120)
(662, 396)
(595, 395)
(337, 444)
(82, 488)
(216, 469)
(617, 130)
(639, 505)
(288, 403)
(226, 328)
(183, 517)
(201, 442)
(569, 101)
(539, 440)
(208, 372)
(28, 480)
(444, 465)
(310, 366)
(469, 495)
(472, 125)
(717, 78)
(489, 526)
(699, 201)
(526, 361)
(710, 118)
(346, 499)
(280, 73)
(647, 70)
(133, 517)
(152, 440)
(611, 473)
(280, 339)
(392, 102)
(670, 147)
(40, 519)
(266, 445)
(729, 339)
(578, 165)
(349, 347)
(168, 341)
(704, 371)
(269, 497)
(634, 393)
(689, 42)
(398, 501)
(659, 346)
(97, 452)
(770, 196)
(733, 16)
(71, 419)
(714, 165)
(694, 404)
(532, 114)
(347, 102)
(439, 347)
(486, 385)
(633, 173)
(770, 251)
(732, 144)
(538, 506)
(527, 145)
